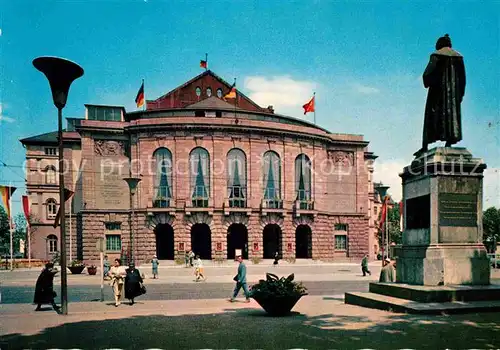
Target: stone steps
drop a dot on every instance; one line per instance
(388, 303)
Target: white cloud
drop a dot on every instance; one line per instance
(4, 117)
(364, 89)
(284, 93)
(388, 172)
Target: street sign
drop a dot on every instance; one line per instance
(100, 245)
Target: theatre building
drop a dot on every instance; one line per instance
(217, 176)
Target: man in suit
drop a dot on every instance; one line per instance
(241, 281)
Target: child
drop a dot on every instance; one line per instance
(155, 264)
(198, 268)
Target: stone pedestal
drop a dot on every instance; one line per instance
(442, 238)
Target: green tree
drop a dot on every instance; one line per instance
(491, 224)
(4, 232)
(19, 232)
(395, 233)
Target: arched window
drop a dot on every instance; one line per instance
(51, 208)
(237, 178)
(199, 162)
(272, 180)
(163, 178)
(303, 181)
(50, 175)
(219, 93)
(209, 92)
(198, 91)
(52, 243)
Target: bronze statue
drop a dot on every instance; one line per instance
(445, 79)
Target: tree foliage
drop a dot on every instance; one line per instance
(18, 234)
(491, 224)
(395, 233)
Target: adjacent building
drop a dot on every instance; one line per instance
(219, 176)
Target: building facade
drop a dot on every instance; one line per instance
(219, 176)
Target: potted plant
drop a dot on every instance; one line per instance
(277, 296)
(76, 267)
(91, 269)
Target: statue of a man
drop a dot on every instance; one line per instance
(445, 79)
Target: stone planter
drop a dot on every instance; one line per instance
(91, 270)
(76, 270)
(277, 306)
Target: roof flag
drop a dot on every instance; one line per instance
(139, 100)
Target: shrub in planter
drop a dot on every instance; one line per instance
(92, 270)
(277, 296)
(76, 267)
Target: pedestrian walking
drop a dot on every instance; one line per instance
(364, 266)
(198, 269)
(44, 288)
(241, 281)
(191, 257)
(106, 267)
(186, 259)
(388, 273)
(133, 283)
(276, 258)
(117, 274)
(154, 263)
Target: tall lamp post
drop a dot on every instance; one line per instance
(385, 235)
(60, 73)
(132, 185)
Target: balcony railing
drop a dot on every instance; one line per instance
(303, 200)
(201, 197)
(237, 196)
(161, 200)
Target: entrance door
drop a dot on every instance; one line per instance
(164, 242)
(303, 242)
(201, 241)
(237, 238)
(272, 241)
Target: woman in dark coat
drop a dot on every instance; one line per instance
(44, 289)
(133, 283)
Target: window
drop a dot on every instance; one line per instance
(198, 91)
(209, 92)
(237, 178)
(52, 243)
(340, 242)
(199, 162)
(341, 227)
(51, 208)
(375, 210)
(113, 243)
(272, 180)
(113, 226)
(163, 178)
(219, 93)
(50, 175)
(51, 151)
(104, 113)
(303, 181)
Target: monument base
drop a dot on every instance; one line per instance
(399, 297)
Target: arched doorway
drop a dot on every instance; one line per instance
(201, 241)
(237, 238)
(272, 241)
(303, 242)
(164, 242)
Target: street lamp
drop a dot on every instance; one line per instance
(385, 237)
(132, 185)
(60, 73)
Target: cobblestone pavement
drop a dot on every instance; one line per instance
(317, 323)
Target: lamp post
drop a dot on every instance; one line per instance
(382, 190)
(60, 74)
(132, 185)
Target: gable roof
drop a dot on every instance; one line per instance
(240, 95)
(47, 138)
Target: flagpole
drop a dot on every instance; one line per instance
(28, 232)
(387, 227)
(206, 62)
(70, 232)
(314, 96)
(11, 233)
(144, 94)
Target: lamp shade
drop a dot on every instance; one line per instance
(382, 190)
(132, 183)
(60, 73)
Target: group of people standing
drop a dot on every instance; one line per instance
(126, 280)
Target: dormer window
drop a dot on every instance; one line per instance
(209, 92)
(198, 91)
(219, 93)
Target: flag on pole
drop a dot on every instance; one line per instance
(383, 212)
(26, 208)
(139, 100)
(203, 64)
(309, 106)
(232, 92)
(401, 216)
(6, 193)
(67, 195)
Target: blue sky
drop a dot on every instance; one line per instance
(363, 59)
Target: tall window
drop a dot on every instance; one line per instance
(113, 236)
(52, 243)
(272, 180)
(51, 208)
(50, 175)
(340, 234)
(199, 162)
(303, 180)
(163, 178)
(237, 178)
